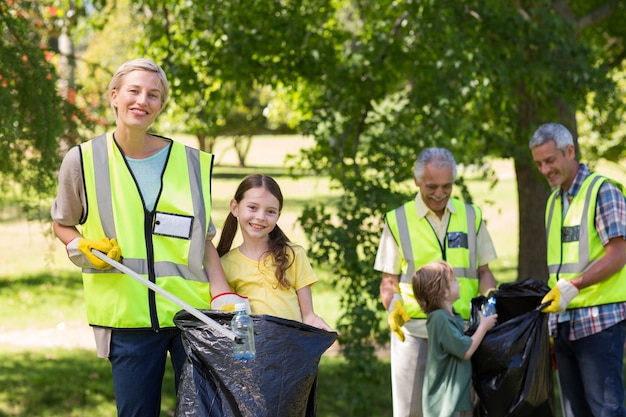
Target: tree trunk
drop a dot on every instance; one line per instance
(201, 141)
(206, 143)
(532, 193)
(242, 146)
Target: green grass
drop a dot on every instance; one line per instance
(74, 383)
(60, 382)
(43, 299)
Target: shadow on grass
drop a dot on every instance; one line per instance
(61, 383)
(225, 172)
(69, 280)
(337, 386)
(41, 300)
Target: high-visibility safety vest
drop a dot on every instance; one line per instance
(574, 244)
(419, 246)
(165, 246)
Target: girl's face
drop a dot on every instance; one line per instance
(257, 213)
(454, 289)
(138, 100)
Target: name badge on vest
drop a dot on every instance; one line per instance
(570, 234)
(172, 225)
(457, 240)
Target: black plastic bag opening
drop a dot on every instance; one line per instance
(511, 369)
(280, 381)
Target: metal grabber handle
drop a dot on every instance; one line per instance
(190, 309)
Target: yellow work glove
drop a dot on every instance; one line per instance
(226, 302)
(397, 316)
(561, 295)
(79, 252)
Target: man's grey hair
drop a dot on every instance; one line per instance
(438, 156)
(555, 132)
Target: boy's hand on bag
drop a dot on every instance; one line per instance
(561, 295)
(79, 252)
(397, 316)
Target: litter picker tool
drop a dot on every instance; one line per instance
(188, 308)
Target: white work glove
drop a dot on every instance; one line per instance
(226, 302)
(561, 295)
(397, 316)
(79, 252)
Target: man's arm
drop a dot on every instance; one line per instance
(388, 287)
(609, 264)
(486, 280)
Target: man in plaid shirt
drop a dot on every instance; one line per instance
(586, 230)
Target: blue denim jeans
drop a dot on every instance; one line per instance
(590, 372)
(138, 359)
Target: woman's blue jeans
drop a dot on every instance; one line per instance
(138, 359)
(590, 372)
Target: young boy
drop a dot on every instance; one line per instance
(448, 368)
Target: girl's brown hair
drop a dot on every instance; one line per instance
(278, 243)
(430, 283)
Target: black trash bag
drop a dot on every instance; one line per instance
(511, 369)
(280, 381)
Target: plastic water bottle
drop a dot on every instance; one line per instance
(243, 326)
(489, 307)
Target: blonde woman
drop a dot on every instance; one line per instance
(143, 199)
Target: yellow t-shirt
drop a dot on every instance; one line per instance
(257, 281)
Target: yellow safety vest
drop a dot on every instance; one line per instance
(419, 246)
(574, 244)
(172, 259)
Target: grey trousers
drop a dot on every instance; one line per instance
(408, 366)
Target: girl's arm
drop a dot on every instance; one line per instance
(309, 317)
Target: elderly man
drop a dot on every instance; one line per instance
(432, 226)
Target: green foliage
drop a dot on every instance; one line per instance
(31, 120)
(35, 117)
(375, 82)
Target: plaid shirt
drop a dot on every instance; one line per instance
(610, 223)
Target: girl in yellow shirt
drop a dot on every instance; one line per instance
(271, 271)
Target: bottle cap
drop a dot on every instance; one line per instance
(240, 307)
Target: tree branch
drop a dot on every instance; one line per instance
(597, 15)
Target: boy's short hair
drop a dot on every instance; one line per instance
(430, 283)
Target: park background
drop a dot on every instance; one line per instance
(360, 88)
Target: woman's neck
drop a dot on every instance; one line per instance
(137, 144)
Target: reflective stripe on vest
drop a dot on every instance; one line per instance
(116, 209)
(419, 245)
(574, 245)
